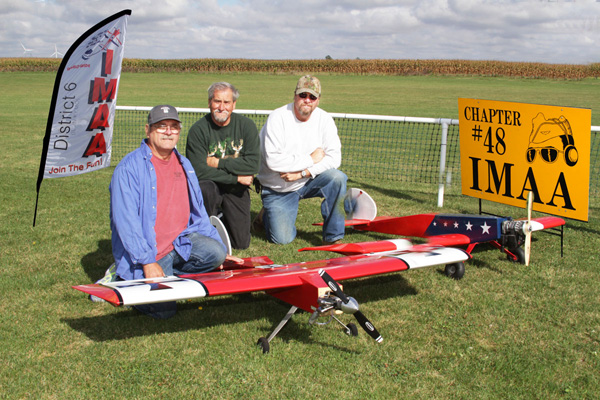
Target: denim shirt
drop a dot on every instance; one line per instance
(133, 199)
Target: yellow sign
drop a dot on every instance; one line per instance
(509, 149)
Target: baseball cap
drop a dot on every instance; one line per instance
(162, 112)
(309, 84)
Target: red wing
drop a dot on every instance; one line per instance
(265, 278)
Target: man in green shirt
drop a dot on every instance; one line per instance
(224, 149)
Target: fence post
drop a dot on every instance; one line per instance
(443, 145)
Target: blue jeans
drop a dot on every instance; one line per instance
(281, 208)
(207, 254)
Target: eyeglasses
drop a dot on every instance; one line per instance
(303, 95)
(163, 129)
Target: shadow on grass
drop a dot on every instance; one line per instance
(237, 309)
(396, 194)
(95, 263)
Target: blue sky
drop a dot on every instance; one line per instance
(550, 31)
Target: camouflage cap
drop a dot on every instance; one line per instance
(308, 84)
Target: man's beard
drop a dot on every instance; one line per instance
(221, 117)
(304, 110)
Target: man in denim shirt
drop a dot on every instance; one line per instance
(158, 221)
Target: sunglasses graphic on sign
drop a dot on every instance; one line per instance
(551, 137)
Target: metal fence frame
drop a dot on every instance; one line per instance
(448, 144)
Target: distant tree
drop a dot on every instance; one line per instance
(328, 57)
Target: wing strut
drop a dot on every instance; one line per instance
(264, 343)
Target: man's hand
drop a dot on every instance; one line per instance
(293, 176)
(212, 162)
(153, 270)
(245, 179)
(233, 259)
(317, 155)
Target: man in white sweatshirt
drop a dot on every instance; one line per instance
(300, 154)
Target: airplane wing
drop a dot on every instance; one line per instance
(273, 278)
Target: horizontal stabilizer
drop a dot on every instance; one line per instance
(349, 222)
(349, 249)
(538, 224)
(455, 239)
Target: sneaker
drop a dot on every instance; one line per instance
(326, 243)
(257, 224)
(96, 299)
(109, 276)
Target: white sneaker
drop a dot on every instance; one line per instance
(109, 276)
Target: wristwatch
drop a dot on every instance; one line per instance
(303, 173)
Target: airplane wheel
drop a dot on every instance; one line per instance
(264, 344)
(351, 330)
(520, 253)
(456, 270)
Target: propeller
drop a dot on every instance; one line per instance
(527, 228)
(350, 306)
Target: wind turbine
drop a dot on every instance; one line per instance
(56, 52)
(26, 50)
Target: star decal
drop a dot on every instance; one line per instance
(469, 226)
(455, 225)
(486, 228)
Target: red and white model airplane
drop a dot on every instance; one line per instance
(312, 286)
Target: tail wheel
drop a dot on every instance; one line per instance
(455, 270)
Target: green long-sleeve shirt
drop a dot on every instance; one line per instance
(236, 145)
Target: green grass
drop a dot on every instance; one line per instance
(504, 331)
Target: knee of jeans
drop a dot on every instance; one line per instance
(281, 235)
(220, 256)
(337, 177)
(282, 239)
(208, 251)
(217, 255)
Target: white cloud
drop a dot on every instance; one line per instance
(526, 30)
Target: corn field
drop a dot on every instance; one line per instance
(356, 67)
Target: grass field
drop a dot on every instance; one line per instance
(504, 331)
